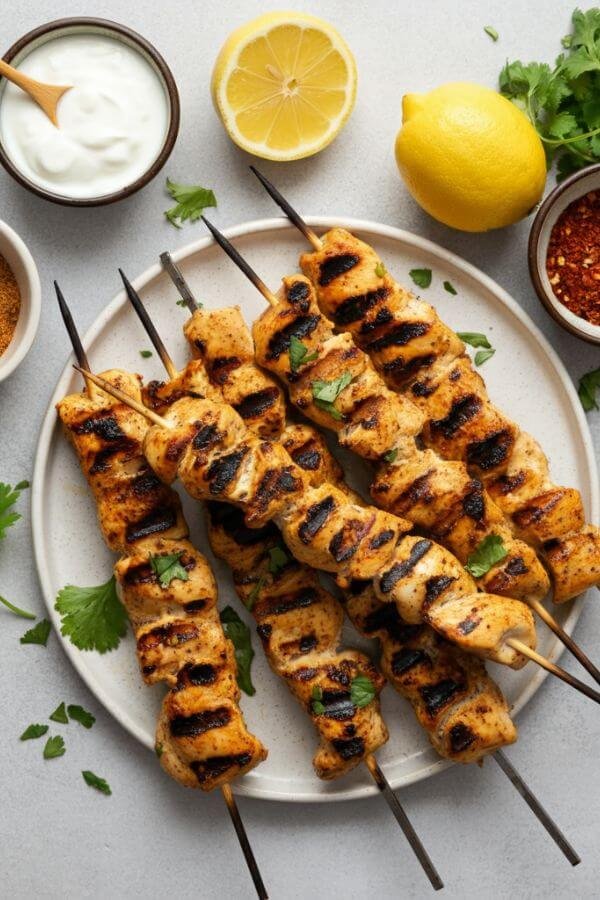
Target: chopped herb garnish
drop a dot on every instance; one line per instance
(491, 32)
(55, 746)
(145, 354)
(60, 715)
(22, 486)
(299, 354)
(421, 277)
(448, 286)
(255, 592)
(316, 702)
(278, 559)
(325, 393)
(183, 302)
(168, 567)
(81, 715)
(191, 201)
(159, 750)
(33, 731)
(8, 498)
(474, 339)
(38, 634)
(239, 635)
(362, 690)
(489, 551)
(96, 782)
(482, 355)
(391, 455)
(15, 609)
(93, 618)
(380, 270)
(588, 385)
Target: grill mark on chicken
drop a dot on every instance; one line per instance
(316, 517)
(194, 606)
(198, 674)
(298, 294)
(435, 696)
(172, 635)
(355, 308)
(492, 451)
(400, 369)
(398, 336)
(206, 436)
(516, 566)
(307, 457)
(300, 327)
(307, 643)
(274, 484)
(400, 570)
(418, 492)
(408, 658)
(461, 412)
(231, 519)
(436, 586)
(531, 515)
(507, 484)
(103, 457)
(468, 625)
(380, 539)
(348, 749)
(473, 503)
(222, 367)
(208, 769)
(345, 542)
(461, 737)
(145, 483)
(335, 266)
(305, 673)
(199, 723)
(277, 606)
(162, 518)
(103, 425)
(338, 705)
(222, 471)
(256, 404)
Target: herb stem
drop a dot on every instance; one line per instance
(15, 609)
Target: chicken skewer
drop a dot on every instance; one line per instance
(439, 497)
(205, 445)
(423, 359)
(178, 633)
(447, 688)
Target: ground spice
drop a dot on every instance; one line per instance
(10, 304)
(573, 258)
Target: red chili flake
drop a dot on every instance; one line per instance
(573, 258)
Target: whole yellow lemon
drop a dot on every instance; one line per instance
(469, 157)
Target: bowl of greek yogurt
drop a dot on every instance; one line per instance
(117, 124)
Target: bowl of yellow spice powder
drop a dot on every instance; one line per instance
(20, 296)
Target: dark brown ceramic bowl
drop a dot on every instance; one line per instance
(555, 203)
(84, 25)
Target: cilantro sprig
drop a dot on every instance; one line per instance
(23, 613)
(325, 393)
(96, 782)
(489, 551)
(562, 101)
(55, 747)
(362, 690)
(239, 634)
(93, 618)
(589, 384)
(299, 354)
(8, 497)
(190, 202)
(168, 567)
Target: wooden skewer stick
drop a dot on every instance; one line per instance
(297, 220)
(370, 761)
(176, 276)
(80, 354)
(241, 263)
(154, 337)
(120, 395)
(516, 780)
(551, 667)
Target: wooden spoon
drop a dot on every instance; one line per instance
(45, 95)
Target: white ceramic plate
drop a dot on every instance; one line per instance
(525, 377)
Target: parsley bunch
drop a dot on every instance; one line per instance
(563, 102)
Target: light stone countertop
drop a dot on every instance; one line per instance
(153, 839)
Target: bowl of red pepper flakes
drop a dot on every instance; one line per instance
(564, 254)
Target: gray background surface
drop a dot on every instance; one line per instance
(153, 838)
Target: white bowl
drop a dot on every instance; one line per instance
(25, 271)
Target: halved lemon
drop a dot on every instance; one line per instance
(284, 85)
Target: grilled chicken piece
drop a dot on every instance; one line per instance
(435, 494)
(299, 624)
(107, 436)
(220, 339)
(423, 359)
(460, 707)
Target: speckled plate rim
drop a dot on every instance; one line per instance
(247, 229)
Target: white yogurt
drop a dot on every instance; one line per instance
(112, 123)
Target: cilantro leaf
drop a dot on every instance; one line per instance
(39, 634)
(81, 715)
(299, 354)
(33, 731)
(380, 270)
(482, 356)
(278, 560)
(421, 277)
(145, 354)
(55, 746)
(448, 286)
(325, 393)
(391, 455)
(488, 552)
(96, 782)
(168, 567)
(191, 201)
(8, 498)
(588, 385)
(93, 618)
(317, 700)
(15, 609)
(474, 339)
(22, 486)
(362, 690)
(489, 30)
(255, 593)
(239, 635)
(60, 715)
